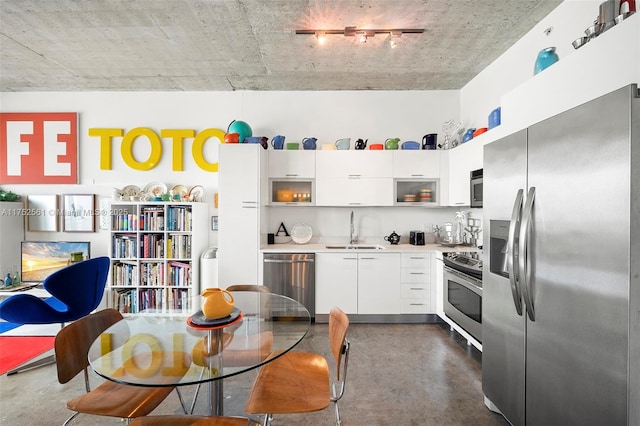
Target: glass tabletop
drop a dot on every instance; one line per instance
(163, 347)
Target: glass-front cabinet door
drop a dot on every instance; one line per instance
(417, 192)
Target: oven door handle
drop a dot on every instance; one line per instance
(523, 244)
(512, 252)
(466, 281)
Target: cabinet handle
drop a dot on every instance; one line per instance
(460, 204)
(416, 273)
(417, 175)
(417, 288)
(350, 258)
(368, 258)
(291, 174)
(416, 304)
(412, 257)
(249, 207)
(354, 204)
(354, 176)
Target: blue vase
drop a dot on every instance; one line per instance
(546, 57)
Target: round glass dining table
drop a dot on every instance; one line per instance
(163, 347)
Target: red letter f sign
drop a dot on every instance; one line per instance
(39, 147)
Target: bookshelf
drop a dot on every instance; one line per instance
(155, 249)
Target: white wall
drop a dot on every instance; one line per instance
(515, 67)
(328, 116)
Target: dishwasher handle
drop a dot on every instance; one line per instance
(289, 261)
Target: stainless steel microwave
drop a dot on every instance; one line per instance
(476, 188)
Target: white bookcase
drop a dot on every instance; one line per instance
(155, 253)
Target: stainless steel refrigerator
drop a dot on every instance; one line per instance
(561, 284)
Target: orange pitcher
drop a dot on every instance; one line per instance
(218, 303)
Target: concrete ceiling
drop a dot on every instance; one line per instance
(202, 45)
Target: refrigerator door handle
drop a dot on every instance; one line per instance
(512, 253)
(522, 252)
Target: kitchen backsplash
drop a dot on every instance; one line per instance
(372, 223)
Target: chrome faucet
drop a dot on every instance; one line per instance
(353, 237)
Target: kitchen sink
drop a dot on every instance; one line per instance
(354, 247)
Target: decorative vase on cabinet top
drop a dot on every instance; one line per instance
(546, 57)
(218, 303)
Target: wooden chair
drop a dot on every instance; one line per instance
(248, 287)
(191, 421)
(299, 382)
(72, 345)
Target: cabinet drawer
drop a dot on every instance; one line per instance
(410, 306)
(414, 275)
(416, 260)
(415, 291)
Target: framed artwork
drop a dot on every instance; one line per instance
(42, 213)
(78, 213)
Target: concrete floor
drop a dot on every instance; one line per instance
(399, 374)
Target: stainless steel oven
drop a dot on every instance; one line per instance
(476, 188)
(463, 292)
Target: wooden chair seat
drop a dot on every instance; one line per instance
(191, 421)
(72, 345)
(297, 382)
(116, 400)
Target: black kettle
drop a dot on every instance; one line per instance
(393, 238)
(361, 144)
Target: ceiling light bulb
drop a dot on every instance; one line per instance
(362, 38)
(392, 43)
(320, 35)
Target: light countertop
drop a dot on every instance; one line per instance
(316, 247)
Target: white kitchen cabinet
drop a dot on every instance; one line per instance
(336, 282)
(243, 193)
(354, 163)
(354, 178)
(418, 164)
(379, 283)
(417, 291)
(417, 192)
(295, 164)
(461, 161)
(155, 249)
(354, 191)
(437, 265)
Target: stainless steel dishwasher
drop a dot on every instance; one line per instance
(292, 275)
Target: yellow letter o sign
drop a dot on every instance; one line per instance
(127, 148)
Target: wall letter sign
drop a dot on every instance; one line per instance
(39, 147)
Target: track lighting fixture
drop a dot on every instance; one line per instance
(362, 34)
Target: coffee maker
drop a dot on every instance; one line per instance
(416, 238)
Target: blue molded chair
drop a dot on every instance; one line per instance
(75, 292)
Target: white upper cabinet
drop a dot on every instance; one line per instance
(294, 164)
(462, 160)
(344, 191)
(354, 178)
(353, 163)
(423, 164)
